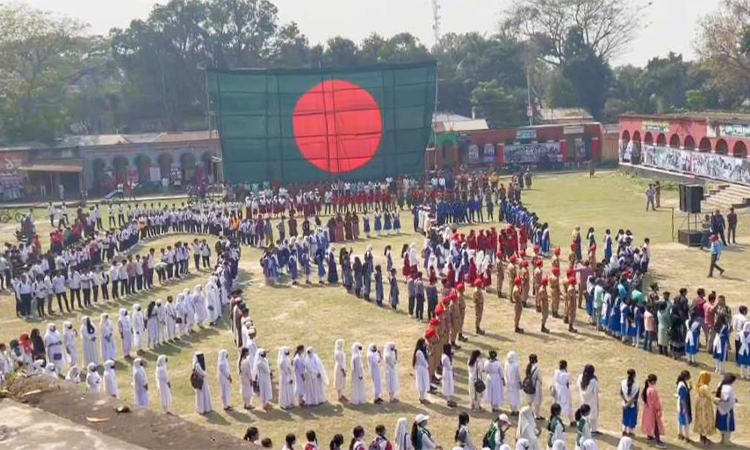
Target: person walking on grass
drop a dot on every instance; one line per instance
(732, 226)
(650, 194)
(716, 249)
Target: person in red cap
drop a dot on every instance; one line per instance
(499, 274)
(512, 274)
(556, 257)
(536, 276)
(554, 282)
(571, 297)
(542, 302)
(526, 278)
(518, 302)
(478, 305)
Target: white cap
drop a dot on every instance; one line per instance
(503, 418)
(421, 418)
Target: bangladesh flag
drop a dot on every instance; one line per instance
(315, 124)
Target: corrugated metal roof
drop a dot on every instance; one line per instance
(188, 136)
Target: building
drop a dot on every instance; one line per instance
(552, 145)
(98, 163)
(704, 144)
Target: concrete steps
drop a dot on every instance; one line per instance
(725, 196)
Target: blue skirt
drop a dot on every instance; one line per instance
(590, 306)
(632, 331)
(725, 423)
(744, 360)
(684, 419)
(378, 225)
(630, 417)
(367, 226)
(692, 349)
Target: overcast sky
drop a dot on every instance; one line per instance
(671, 25)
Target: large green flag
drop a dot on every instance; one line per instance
(313, 124)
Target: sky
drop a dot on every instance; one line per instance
(669, 25)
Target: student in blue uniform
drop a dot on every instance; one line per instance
(629, 393)
(607, 245)
(292, 265)
(387, 222)
(366, 226)
(346, 271)
(306, 265)
(396, 222)
(393, 284)
(684, 408)
(379, 294)
(333, 273)
(692, 338)
(378, 222)
(320, 262)
(357, 269)
(721, 345)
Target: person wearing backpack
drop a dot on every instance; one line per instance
(463, 436)
(555, 426)
(532, 386)
(380, 442)
(495, 436)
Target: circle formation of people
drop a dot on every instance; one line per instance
(436, 276)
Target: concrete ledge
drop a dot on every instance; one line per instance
(146, 429)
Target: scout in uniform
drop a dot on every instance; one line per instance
(518, 303)
(542, 301)
(478, 305)
(571, 304)
(500, 271)
(554, 283)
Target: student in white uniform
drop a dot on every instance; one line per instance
(163, 385)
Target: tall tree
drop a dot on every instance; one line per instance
(341, 52)
(724, 47)
(40, 57)
(606, 26)
(240, 32)
(502, 106)
(588, 72)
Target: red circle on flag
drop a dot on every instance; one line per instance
(338, 126)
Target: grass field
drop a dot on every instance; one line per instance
(317, 316)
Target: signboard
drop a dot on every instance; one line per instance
(488, 154)
(154, 173)
(473, 154)
(736, 131)
(525, 134)
(573, 129)
(720, 167)
(539, 152)
(658, 127)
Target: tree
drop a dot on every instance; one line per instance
(371, 49)
(340, 52)
(40, 56)
(403, 48)
(606, 26)
(291, 48)
(501, 106)
(588, 72)
(723, 47)
(241, 32)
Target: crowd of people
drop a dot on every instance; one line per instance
(437, 276)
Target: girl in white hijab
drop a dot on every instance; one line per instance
(107, 332)
(339, 370)
(247, 377)
(74, 374)
(402, 439)
(562, 445)
(286, 379)
(513, 381)
(527, 428)
(125, 327)
(139, 328)
(189, 311)
(263, 375)
(374, 361)
(225, 380)
(358, 396)
(140, 383)
(88, 336)
(162, 384)
(93, 380)
(53, 343)
(318, 377)
(70, 340)
(202, 394)
(199, 304)
(589, 444)
(390, 355)
(110, 379)
(213, 305)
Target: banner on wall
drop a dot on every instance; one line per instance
(488, 154)
(727, 168)
(533, 153)
(473, 154)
